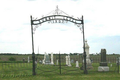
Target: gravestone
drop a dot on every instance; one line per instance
(28, 59)
(66, 60)
(69, 63)
(52, 58)
(23, 59)
(103, 58)
(57, 61)
(77, 64)
(103, 64)
(110, 65)
(40, 62)
(43, 61)
(47, 59)
(72, 61)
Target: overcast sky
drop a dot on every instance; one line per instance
(102, 22)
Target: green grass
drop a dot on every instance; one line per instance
(92, 76)
(23, 71)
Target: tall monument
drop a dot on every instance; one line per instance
(88, 61)
(87, 49)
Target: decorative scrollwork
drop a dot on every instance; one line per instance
(57, 17)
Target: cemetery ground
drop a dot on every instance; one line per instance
(23, 71)
(90, 76)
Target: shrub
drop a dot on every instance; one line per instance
(12, 59)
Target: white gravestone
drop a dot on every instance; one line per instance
(44, 58)
(28, 59)
(52, 58)
(66, 60)
(69, 63)
(110, 65)
(57, 61)
(43, 61)
(77, 64)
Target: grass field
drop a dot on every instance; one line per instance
(90, 76)
(23, 71)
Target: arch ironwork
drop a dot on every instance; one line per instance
(58, 16)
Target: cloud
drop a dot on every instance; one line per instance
(110, 43)
(101, 20)
(55, 39)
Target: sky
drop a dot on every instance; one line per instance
(101, 22)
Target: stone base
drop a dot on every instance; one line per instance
(103, 68)
(52, 63)
(69, 65)
(48, 64)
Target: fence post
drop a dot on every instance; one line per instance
(118, 64)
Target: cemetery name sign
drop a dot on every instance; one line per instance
(56, 19)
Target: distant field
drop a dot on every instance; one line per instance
(95, 58)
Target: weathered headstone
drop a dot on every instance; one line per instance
(103, 64)
(43, 61)
(72, 61)
(44, 58)
(69, 63)
(66, 60)
(57, 61)
(40, 62)
(28, 59)
(52, 58)
(23, 59)
(77, 64)
(47, 59)
(110, 65)
(103, 58)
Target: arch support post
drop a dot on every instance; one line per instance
(33, 54)
(84, 52)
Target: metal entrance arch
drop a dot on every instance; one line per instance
(57, 17)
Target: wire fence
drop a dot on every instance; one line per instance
(62, 64)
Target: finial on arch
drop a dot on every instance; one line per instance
(57, 10)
